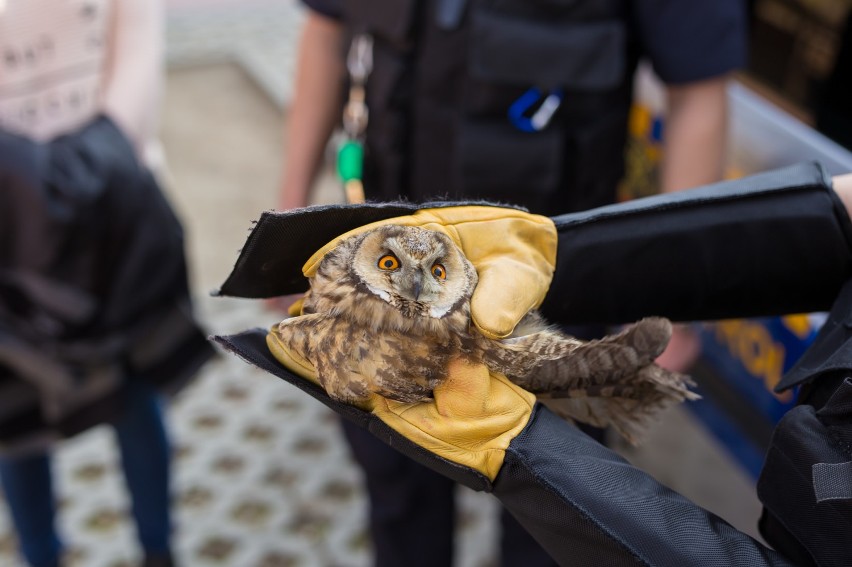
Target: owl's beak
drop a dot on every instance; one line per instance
(417, 285)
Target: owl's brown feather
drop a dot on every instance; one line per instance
(392, 328)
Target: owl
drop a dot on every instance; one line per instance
(387, 310)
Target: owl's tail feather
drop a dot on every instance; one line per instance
(629, 407)
(609, 381)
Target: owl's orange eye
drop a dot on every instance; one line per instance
(439, 271)
(388, 262)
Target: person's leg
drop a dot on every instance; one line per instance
(146, 458)
(28, 487)
(412, 512)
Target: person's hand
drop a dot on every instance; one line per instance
(285, 303)
(514, 253)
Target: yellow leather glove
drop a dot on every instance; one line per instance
(514, 254)
(470, 421)
(474, 415)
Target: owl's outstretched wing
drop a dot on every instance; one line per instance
(320, 340)
(610, 381)
(548, 360)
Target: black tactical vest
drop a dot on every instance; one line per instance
(468, 62)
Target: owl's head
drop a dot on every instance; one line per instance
(418, 271)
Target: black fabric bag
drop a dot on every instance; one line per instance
(806, 481)
(93, 283)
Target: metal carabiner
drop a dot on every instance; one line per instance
(519, 110)
(359, 61)
(359, 65)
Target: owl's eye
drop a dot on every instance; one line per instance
(439, 271)
(388, 262)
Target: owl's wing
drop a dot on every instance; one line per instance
(318, 339)
(610, 381)
(353, 362)
(549, 360)
(400, 367)
(302, 335)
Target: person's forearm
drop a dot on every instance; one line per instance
(134, 69)
(316, 106)
(695, 133)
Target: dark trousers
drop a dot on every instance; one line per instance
(145, 455)
(412, 511)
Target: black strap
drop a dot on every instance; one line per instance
(832, 481)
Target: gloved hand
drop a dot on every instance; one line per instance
(474, 414)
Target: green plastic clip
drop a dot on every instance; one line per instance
(350, 161)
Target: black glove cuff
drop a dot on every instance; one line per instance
(773, 243)
(768, 244)
(270, 263)
(251, 346)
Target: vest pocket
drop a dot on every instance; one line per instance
(593, 163)
(548, 54)
(573, 162)
(495, 161)
(389, 20)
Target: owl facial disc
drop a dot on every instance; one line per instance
(418, 271)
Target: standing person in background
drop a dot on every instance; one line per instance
(94, 305)
(512, 101)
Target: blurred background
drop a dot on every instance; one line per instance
(262, 476)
